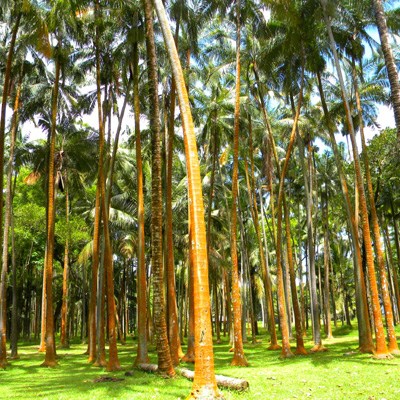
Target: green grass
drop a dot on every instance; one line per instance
(330, 375)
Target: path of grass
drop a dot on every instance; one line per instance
(331, 375)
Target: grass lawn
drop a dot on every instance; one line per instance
(338, 373)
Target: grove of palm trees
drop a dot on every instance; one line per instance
(200, 189)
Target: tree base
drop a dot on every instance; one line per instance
(42, 349)
(274, 346)
(382, 356)
(367, 349)
(239, 361)
(205, 393)
(330, 337)
(286, 353)
(318, 347)
(300, 351)
(115, 366)
(100, 363)
(49, 364)
(394, 351)
(188, 358)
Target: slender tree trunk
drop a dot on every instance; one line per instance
(7, 224)
(50, 358)
(3, 249)
(364, 329)
(204, 383)
(263, 259)
(389, 61)
(113, 362)
(239, 358)
(65, 294)
(315, 309)
(392, 347)
(381, 348)
(395, 273)
(286, 352)
(141, 287)
(172, 309)
(328, 327)
(164, 356)
(92, 351)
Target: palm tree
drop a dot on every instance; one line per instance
(239, 358)
(204, 383)
(381, 348)
(164, 356)
(6, 84)
(389, 61)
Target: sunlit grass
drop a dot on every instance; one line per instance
(339, 373)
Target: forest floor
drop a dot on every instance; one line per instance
(339, 373)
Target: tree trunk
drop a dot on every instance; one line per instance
(328, 327)
(381, 348)
(389, 61)
(64, 309)
(172, 309)
(364, 329)
(204, 383)
(392, 347)
(7, 223)
(164, 356)
(3, 283)
(239, 358)
(286, 352)
(113, 362)
(141, 287)
(50, 358)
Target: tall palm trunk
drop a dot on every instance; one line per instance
(173, 327)
(364, 328)
(315, 309)
(263, 260)
(64, 309)
(381, 348)
(164, 357)
(204, 383)
(286, 352)
(95, 268)
(389, 61)
(328, 327)
(142, 355)
(271, 142)
(393, 347)
(3, 279)
(7, 223)
(238, 357)
(50, 358)
(113, 362)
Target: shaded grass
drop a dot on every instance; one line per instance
(339, 373)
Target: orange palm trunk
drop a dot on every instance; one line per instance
(393, 347)
(238, 357)
(204, 383)
(381, 348)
